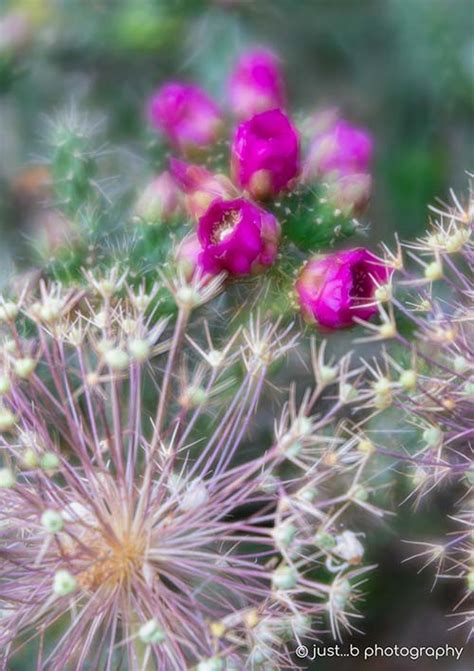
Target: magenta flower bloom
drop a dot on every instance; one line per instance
(333, 290)
(237, 236)
(201, 186)
(342, 149)
(256, 85)
(186, 115)
(265, 154)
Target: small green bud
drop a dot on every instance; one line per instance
(461, 364)
(7, 419)
(5, 384)
(211, 664)
(434, 271)
(284, 577)
(139, 349)
(116, 358)
(324, 540)
(328, 374)
(284, 534)
(8, 311)
(408, 379)
(64, 583)
(432, 435)
(348, 392)
(25, 367)
(52, 521)
(150, 633)
(7, 478)
(49, 461)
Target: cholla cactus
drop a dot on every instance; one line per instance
(428, 377)
(135, 528)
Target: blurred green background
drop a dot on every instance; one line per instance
(404, 69)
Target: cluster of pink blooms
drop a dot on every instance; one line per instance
(235, 232)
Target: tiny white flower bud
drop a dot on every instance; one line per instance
(7, 419)
(139, 349)
(434, 271)
(408, 379)
(215, 358)
(7, 478)
(284, 577)
(348, 547)
(284, 534)
(461, 364)
(387, 330)
(5, 384)
(383, 293)
(30, 458)
(116, 358)
(328, 374)
(150, 633)
(188, 297)
(347, 392)
(8, 311)
(52, 521)
(324, 540)
(211, 664)
(366, 446)
(432, 435)
(195, 496)
(49, 461)
(64, 583)
(24, 367)
(340, 594)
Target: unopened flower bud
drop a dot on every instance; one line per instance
(150, 633)
(139, 349)
(432, 435)
(328, 374)
(116, 358)
(284, 534)
(25, 367)
(7, 419)
(7, 478)
(49, 461)
(324, 540)
(211, 664)
(461, 364)
(64, 583)
(348, 547)
(434, 271)
(284, 577)
(5, 384)
(195, 496)
(160, 200)
(408, 379)
(8, 311)
(52, 521)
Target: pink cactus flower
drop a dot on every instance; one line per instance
(265, 154)
(256, 85)
(160, 201)
(341, 149)
(201, 186)
(335, 289)
(186, 115)
(237, 236)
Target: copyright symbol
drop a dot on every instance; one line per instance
(301, 651)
